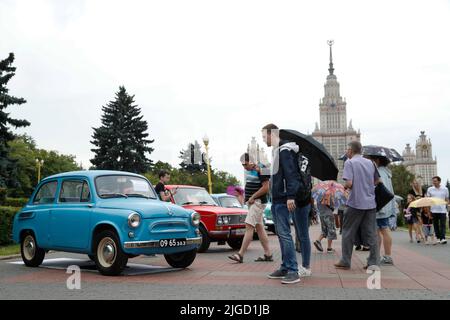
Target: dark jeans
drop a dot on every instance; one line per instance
(364, 220)
(439, 220)
(281, 217)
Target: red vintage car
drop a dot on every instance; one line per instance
(217, 224)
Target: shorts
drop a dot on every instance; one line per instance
(328, 226)
(428, 230)
(383, 223)
(255, 213)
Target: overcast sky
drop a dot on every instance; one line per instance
(226, 68)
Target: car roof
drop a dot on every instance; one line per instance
(218, 195)
(90, 174)
(171, 186)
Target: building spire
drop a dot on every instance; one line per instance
(331, 69)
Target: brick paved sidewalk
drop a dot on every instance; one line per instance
(419, 271)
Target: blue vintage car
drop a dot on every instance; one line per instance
(110, 216)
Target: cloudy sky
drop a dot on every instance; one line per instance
(226, 68)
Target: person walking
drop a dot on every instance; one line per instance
(412, 220)
(328, 227)
(360, 176)
(417, 190)
(427, 225)
(284, 187)
(383, 215)
(256, 189)
(439, 212)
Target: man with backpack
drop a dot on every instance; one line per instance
(291, 197)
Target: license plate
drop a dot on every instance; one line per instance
(239, 232)
(169, 243)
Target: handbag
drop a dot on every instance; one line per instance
(382, 195)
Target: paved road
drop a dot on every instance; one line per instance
(420, 272)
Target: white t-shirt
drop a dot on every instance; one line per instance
(441, 193)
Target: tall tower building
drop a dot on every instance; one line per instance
(257, 153)
(334, 132)
(421, 162)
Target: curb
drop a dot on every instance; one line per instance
(14, 256)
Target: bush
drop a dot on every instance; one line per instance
(3, 192)
(15, 202)
(6, 223)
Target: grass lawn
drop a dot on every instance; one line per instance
(9, 250)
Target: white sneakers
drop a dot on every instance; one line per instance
(303, 272)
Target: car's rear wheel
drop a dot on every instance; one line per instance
(109, 258)
(235, 243)
(206, 241)
(182, 259)
(32, 255)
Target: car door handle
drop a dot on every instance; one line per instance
(90, 205)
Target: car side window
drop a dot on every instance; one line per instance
(74, 191)
(46, 193)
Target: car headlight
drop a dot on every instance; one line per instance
(195, 218)
(219, 221)
(134, 220)
(226, 220)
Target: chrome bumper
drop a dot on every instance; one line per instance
(155, 243)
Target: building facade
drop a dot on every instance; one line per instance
(420, 161)
(334, 132)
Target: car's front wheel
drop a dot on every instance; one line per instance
(109, 258)
(206, 241)
(32, 255)
(182, 259)
(235, 243)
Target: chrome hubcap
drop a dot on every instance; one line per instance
(106, 252)
(29, 247)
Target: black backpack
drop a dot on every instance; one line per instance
(304, 192)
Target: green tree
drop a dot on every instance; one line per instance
(221, 179)
(121, 141)
(193, 159)
(24, 151)
(401, 180)
(8, 167)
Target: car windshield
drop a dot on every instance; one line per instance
(193, 196)
(230, 202)
(116, 186)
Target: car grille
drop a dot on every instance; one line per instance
(237, 218)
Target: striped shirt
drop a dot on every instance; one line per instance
(253, 182)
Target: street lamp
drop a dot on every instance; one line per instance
(39, 164)
(206, 142)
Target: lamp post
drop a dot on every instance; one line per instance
(39, 164)
(206, 142)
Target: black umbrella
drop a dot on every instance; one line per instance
(379, 151)
(322, 163)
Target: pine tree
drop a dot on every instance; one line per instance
(8, 167)
(193, 159)
(121, 141)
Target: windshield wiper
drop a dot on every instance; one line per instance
(206, 202)
(188, 202)
(113, 195)
(137, 195)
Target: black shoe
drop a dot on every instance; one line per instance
(318, 245)
(278, 274)
(291, 278)
(358, 248)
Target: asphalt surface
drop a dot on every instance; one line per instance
(420, 272)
